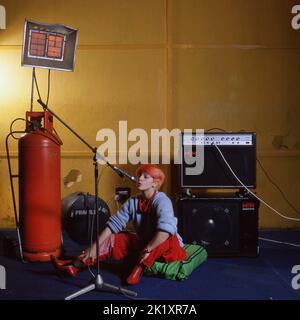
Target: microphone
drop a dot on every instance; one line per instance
(123, 174)
(119, 171)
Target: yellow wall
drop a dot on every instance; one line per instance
(231, 64)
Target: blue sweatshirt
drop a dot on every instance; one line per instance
(159, 217)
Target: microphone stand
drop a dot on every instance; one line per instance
(97, 283)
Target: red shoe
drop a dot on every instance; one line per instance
(60, 263)
(71, 267)
(65, 267)
(135, 275)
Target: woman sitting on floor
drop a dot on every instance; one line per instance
(156, 236)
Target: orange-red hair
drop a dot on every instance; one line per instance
(154, 171)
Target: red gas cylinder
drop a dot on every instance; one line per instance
(39, 188)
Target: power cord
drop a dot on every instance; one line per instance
(254, 195)
(36, 84)
(281, 242)
(37, 87)
(219, 129)
(265, 172)
(277, 187)
(48, 93)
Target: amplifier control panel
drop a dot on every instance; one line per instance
(222, 139)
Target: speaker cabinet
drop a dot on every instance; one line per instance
(226, 225)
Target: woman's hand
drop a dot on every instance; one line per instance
(144, 255)
(88, 254)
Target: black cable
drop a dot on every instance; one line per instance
(48, 87)
(11, 125)
(277, 187)
(215, 129)
(37, 87)
(223, 130)
(36, 84)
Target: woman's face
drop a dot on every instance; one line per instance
(145, 182)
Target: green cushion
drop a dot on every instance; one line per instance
(179, 270)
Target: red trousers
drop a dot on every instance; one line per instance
(121, 245)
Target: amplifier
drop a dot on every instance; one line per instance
(239, 150)
(226, 225)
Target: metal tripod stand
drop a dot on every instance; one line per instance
(97, 283)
